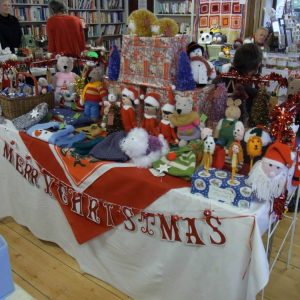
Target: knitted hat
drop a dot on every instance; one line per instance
(109, 148)
(168, 108)
(152, 99)
(279, 154)
(132, 94)
(193, 46)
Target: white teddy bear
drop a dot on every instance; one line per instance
(64, 76)
(142, 148)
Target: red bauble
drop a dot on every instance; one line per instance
(171, 155)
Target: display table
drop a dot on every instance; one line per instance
(149, 267)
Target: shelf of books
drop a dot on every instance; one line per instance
(180, 11)
(32, 15)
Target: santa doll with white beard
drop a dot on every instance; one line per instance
(268, 177)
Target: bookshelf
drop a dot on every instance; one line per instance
(182, 11)
(104, 18)
(32, 15)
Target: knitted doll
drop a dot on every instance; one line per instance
(165, 126)
(151, 105)
(268, 176)
(94, 93)
(186, 120)
(129, 98)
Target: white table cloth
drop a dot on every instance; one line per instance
(145, 267)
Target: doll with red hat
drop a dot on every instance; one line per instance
(165, 126)
(129, 98)
(151, 106)
(268, 176)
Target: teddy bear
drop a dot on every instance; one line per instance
(230, 128)
(164, 27)
(205, 38)
(94, 93)
(219, 38)
(64, 76)
(203, 70)
(142, 148)
(140, 22)
(186, 120)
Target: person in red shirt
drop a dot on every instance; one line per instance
(65, 33)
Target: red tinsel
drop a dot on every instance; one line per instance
(282, 82)
(279, 206)
(283, 117)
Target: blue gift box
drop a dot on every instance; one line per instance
(215, 184)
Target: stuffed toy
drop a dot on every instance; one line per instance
(151, 106)
(237, 158)
(67, 96)
(140, 22)
(64, 76)
(129, 98)
(208, 151)
(202, 70)
(226, 127)
(142, 148)
(219, 38)
(268, 176)
(165, 27)
(52, 133)
(259, 132)
(186, 120)
(111, 120)
(43, 86)
(254, 148)
(205, 38)
(94, 93)
(165, 126)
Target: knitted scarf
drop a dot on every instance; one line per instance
(185, 119)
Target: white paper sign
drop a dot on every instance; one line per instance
(217, 193)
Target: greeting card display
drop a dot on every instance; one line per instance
(217, 185)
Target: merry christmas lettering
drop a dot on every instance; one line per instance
(191, 231)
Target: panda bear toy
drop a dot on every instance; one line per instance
(205, 38)
(202, 70)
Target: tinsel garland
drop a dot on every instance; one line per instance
(282, 82)
(283, 117)
(279, 206)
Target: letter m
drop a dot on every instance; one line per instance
(170, 231)
(8, 152)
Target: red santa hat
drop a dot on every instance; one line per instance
(132, 94)
(279, 154)
(152, 99)
(168, 108)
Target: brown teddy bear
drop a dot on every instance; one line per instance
(165, 27)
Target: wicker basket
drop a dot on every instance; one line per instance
(15, 107)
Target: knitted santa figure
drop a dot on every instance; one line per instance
(129, 98)
(268, 176)
(165, 126)
(151, 106)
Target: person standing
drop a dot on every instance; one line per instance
(10, 28)
(65, 33)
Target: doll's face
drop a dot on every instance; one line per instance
(166, 115)
(235, 149)
(150, 110)
(271, 170)
(126, 100)
(261, 36)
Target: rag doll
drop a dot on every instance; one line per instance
(165, 126)
(129, 98)
(94, 93)
(151, 106)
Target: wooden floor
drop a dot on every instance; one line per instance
(46, 272)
